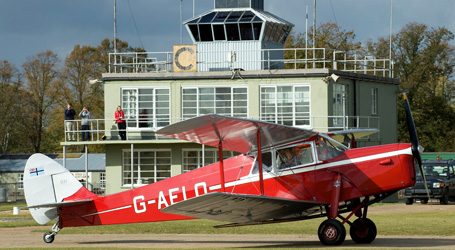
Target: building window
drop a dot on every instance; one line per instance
(231, 101)
(103, 180)
(287, 105)
(339, 105)
(146, 107)
(20, 181)
(149, 166)
(374, 101)
(197, 158)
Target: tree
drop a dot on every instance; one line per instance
(11, 106)
(44, 90)
(424, 63)
(328, 37)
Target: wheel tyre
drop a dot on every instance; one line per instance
(48, 237)
(363, 231)
(331, 232)
(408, 201)
(424, 201)
(445, 198)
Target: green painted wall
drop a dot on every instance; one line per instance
(321, 105)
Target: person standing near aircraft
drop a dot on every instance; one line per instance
(69, 122)
(85, 116)
(120, 120)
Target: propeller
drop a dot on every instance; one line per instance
(414, 141)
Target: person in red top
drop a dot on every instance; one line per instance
(120, 120)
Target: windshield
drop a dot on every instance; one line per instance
(328, 148)
(434, 170)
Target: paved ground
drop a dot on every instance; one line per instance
(26, 238)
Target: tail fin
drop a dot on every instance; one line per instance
(47, 182)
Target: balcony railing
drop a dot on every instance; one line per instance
(137, 129)
(292, 58)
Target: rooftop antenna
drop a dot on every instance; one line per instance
(314, 32)
(181, 21)
(115, 26)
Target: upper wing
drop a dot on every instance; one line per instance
(236, 134)
(240, 208)
(358, 133)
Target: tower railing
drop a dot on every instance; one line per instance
(289, 58)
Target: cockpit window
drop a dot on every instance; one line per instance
(328, 148)
(294, 156)
(267, 164)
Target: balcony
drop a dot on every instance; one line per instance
(105, 131)
(294, 58)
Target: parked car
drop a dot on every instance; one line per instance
(440, 178)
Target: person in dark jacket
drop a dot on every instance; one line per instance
(69, 123)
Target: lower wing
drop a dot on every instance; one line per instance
(241, 208)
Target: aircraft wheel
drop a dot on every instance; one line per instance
(363, 231)
(424, 201)
(445, 198)
(331, 232)
(48, 237)
(409, 201)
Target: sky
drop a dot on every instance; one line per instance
(28, 27)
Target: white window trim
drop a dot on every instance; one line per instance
(374, 101)
(275, 86)
(136, 170)
(215, 86)
(155, 127)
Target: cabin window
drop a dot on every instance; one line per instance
(328, 148)
(267, 163)
(231, 101)
(146, 107)
(294, 156)
(197, 158)
(149, 166)
(287, 105)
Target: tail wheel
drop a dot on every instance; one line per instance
(331, 232)
(48, 237)
(363, 231)
(424, 201)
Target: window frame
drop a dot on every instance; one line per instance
(137, 165)
(279, 115)
(154, 117)
(200, 94)
(374, 101)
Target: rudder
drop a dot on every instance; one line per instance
(47, 182)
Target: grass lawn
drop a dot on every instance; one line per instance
(428, 223)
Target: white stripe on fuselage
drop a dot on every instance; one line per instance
(253, 178)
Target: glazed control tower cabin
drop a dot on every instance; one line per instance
(237, 66)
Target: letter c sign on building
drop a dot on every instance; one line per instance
(185, 58)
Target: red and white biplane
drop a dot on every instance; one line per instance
(281, 174)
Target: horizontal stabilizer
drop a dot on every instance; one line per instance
(240, 208)
(61, 204)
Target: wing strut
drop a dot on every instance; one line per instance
(220, 156)
(261, 177)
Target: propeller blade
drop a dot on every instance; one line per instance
(414, 141)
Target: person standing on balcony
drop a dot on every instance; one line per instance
(85, 117)
(69, 122)
(120, 120)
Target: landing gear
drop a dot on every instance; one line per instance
(331, 232)
(49, 237)
(409, 201)
(363, 231)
